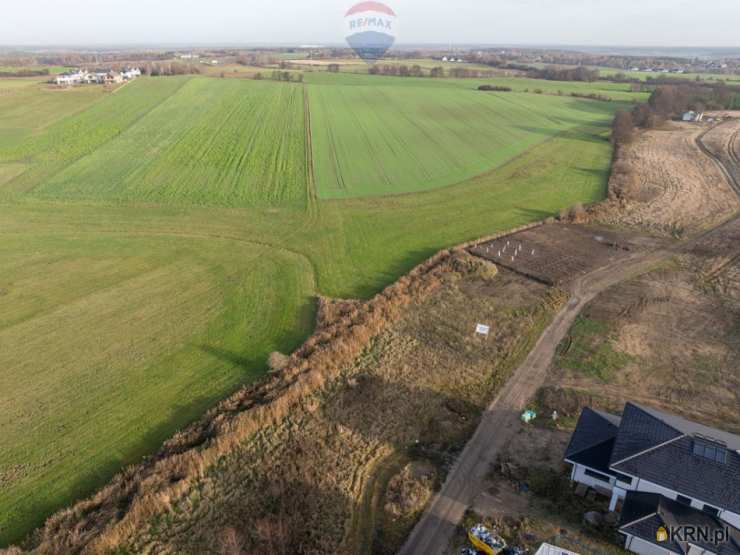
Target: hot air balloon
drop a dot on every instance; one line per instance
(370, 29)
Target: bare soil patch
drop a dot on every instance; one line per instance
(528, 498)
(559, 253)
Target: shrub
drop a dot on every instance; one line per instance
(496, 88)
(577, 213)
(278, 361)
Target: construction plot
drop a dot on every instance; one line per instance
(557, 254)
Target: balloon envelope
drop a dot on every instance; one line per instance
(370, 29)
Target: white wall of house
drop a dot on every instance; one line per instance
(649, 487)
(733, 519)
(578, 474)
(637, 545)
(695, 550)
(619, 489)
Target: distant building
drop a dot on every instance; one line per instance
(96, 76)
(693, 116)
(130, 73)
(69, 78)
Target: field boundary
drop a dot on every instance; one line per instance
(312, 198)
(262, 244)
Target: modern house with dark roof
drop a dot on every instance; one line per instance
(660, 463)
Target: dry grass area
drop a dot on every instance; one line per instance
(662, 183)
(308, 484)
(343, 448)
(668, 339)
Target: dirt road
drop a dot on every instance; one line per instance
(433, 533)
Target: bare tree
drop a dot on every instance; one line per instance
(622, 128)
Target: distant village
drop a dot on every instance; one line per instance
(96, 76)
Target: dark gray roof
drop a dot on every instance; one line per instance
(594, 428)
(646, 530)
(670, 461)
(675, 467)
(644, 513)
(692, 428)
(596, 457)
(640, 430)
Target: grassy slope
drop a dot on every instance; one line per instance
(27, 107)
(406, 137)
(110, 341)
(226, 142)
(122, 321)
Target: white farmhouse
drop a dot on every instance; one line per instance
(69, 78)
(130, 73)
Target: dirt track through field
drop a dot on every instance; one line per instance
(433, 533)
(728, 173)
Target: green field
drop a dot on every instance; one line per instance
(160, 241)
(644, 75)
(373, 139)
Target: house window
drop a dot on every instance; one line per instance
(683, 500)
(598, 476)
(624, 478)
(711, 510)
(708, 449)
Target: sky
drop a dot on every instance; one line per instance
(526, 22)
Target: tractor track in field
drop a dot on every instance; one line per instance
(733, 148)
(312, 199)
(435, 529)
(727, 172)
(192, 235)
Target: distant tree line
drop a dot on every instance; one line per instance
(159, 69)
(25, 73)
(494, 88)
(396, 70)
(671, 101)
(276, 75)
(579, 73)
(591, 96)
(402, 70)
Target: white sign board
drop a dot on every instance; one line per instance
(481, 329)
